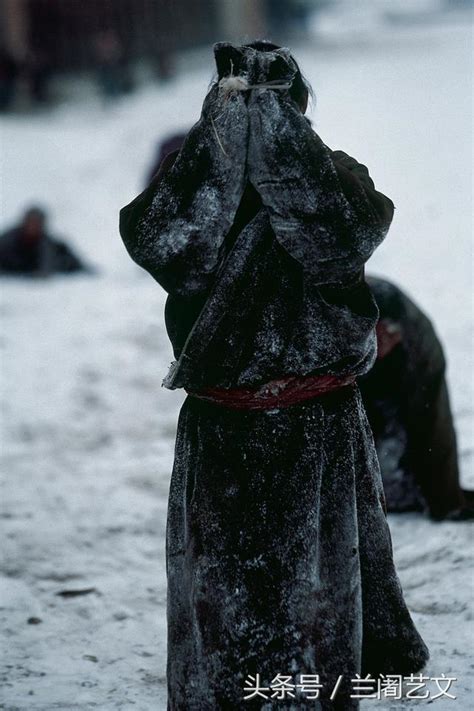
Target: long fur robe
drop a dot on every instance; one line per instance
(279, 557)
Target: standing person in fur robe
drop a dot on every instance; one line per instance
(279, 557)
(407, 402)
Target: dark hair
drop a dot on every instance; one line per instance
(300, 89)
(35, 211)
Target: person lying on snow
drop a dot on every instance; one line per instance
(279, 556)
(28, 249)
(405, 393)
(406, 397)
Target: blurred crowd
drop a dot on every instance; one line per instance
(28, 80)
(33, 72)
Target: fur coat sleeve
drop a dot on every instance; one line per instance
(178, 237)
(323, 205)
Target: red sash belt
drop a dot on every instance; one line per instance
(276, 393)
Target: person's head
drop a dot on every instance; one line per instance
(300, 90)
(33, 223)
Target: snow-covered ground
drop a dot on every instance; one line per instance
(87, 431)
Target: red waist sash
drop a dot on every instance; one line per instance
(276, 393)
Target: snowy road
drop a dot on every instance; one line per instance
(88, 433)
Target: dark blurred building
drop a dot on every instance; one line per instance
(40, 39)
(65, 31)
(63, 34)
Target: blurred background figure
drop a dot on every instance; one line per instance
(112, 71)
(9, 70)
(38, 74)
(28, 249)
(291, 15)
(170, 144)
(407, 402)
(164, 65)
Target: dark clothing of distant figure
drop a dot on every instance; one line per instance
(9, 70)
(112, 68)
(171, 144)
(407, 402)
(279, 557)
(40, 257)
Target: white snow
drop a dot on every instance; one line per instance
(87, 431)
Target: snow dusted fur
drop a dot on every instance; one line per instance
(188, 226)
(299, 261)
(279, 556)
(258, 581)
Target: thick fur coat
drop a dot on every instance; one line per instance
(279, 556)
